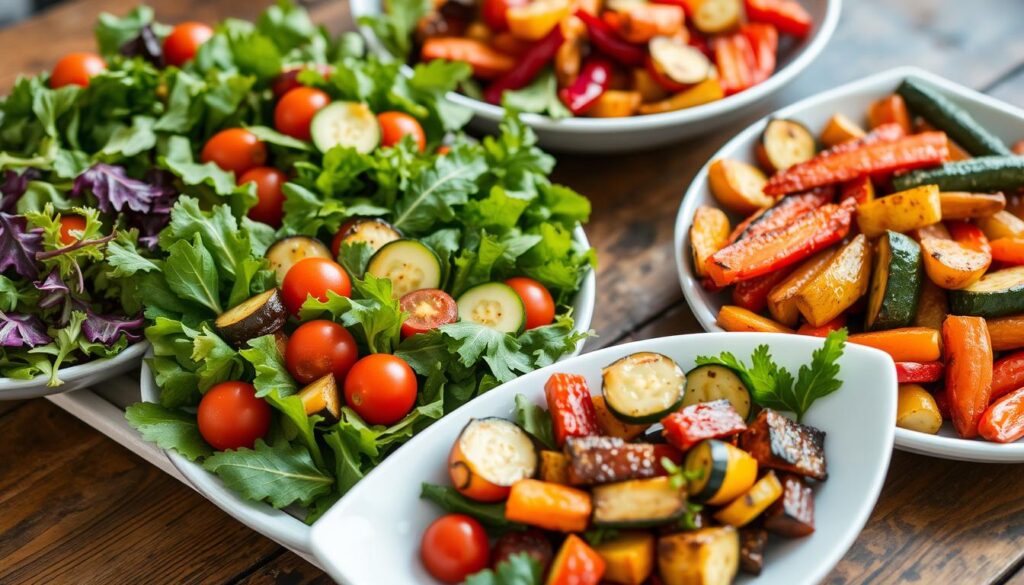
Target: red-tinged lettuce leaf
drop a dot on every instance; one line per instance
(14, 186)
(116, 191)
(54, 290)
(22, 331)
(19, 245)
(150, 223)
(107, 329)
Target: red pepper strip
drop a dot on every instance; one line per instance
(823, 330)
(590, 84)
(572, 409)
(606, 41)
(789, 16)
(861, 190)
(779, 248)
(784, 212)
(969, 236)
(919, 373)
(736, 62)
(764, 39)
(1007, 374)
(942, 403)
(706, 420)
(528, 67)
(752, 294)
(911, 152)
(1003, 422)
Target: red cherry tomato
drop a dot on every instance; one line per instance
(296, 109)
(495, 13)
(68, 223)
(338, 237)
(270, 198)
(76, 69)
(428, 309)
(381, 388)
(540, 307)
(313, 276)
(396, 125)
(289, 78)
(230, 416)
(318, 348)
(235, 149)
(184, 41)
(454, 547)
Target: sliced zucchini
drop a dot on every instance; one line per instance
(778, 442)
(260, 315)
(682, 63)
(287, 252)
(713, 382)
(709, 556)
(753, 541)
(409, 265)
(792, 515)
(643, 387)
(785, 143)
(723, 472)
(321, 397)
(494, 450)
(346, 124)
(597, 460)
(638, 503)
(996, 294)
(717, 16)
(956, 122)
(896, 282)
(750, 505)
(495, 305)
(375, 233)
(985, 174)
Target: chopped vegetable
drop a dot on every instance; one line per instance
(951, 118)
(842, 281)
(968, 371)
(904, 344)
(708, 234)
(779, 443)
(1003, 422)
(733, 318)
(572, 410)
(900, 212)
(919, 373)
(792, 515)
(697, 422)
(548, 505)
(738, 186)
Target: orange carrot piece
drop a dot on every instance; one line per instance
(1003, 422)
(1007, 374)
(550, 506)
(1009, 250)
(890, 110)
(642, 22)
(968, 371)
(733, 318)
(906, 344)
(1006, 332)
(485, 61)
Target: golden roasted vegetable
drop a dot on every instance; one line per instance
(615, 103)
(708, 234)
(738, 186)
(951, 265)
(1001, 225)
(709, 556)
(750, 505)
(554, 467)
(963, 205)
(844, 280)
(733, 318)
(916, 410)
(932, 306)
(839, 129)
(629, 558)
(782, 298)
(900, 212)
(706, 91)
(611, 425)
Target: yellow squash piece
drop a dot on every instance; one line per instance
(916, 410)
(1001, 225)
(612, 426)
(534, 20)
(649, 89)
(628, 559)
(615, 104)
(707, 91)
(782, 298)
(750, 505)
(708, 234)
(839, 129)
(844, 280)
(952, 266)
(554, 467)
(738, 186)
(900, 212)
(709, 556)
(963, 205)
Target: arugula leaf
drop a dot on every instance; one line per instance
(192, 274)
(451, 501)
(394, 30)
(218, 361)
(281, 474)
(169, 428)
(431, 196)
(271, 374)
(298, 422)
(373, 314)
(517, 569)
(536, 421)
(472, 343)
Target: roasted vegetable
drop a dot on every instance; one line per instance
(947, 116)
(785, 143)
(375, 233)
(489, 456)
(1009, 250)
(744, 509)
(722, 472)
(752, 544)
(733, 318)
(643, 387)
(792, 515)
(708, 234)
(843, 280)
(709, 556)
(706, 420)
(628, 558)
(706, 91)
(1006, 332)
(486, 62)
(996, 294)
(1003, 422)
(1001, 224)
(778, 442)
(320, 397)
(782, 299)
(905, 344)
(576, 564)
(671, 61)
(717, 16)
(896, 282)
(752, 294)
(968, 371)
(533, 543)
(919, 373)
(738, 185)
(964, 205)
(611, 426)
(861, 190)
(712, 382)
(951, 265)
(596, 460)
(889, 110)
(840, 129)
(1007, 374)
(638, 503)
(554, 467)
(287, 252)
(932, 306)
(986, 174)
(784, 212)
(916, 410)
(260, 315)
(550, 506)
(570, 405)
(900, 212)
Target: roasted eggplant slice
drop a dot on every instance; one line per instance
(785, 143)
(489, 456)
(713, 382)
(778, 442)
(753, 541)
(792, 515)
(287, 252)
(321, 397)
(261, 315)
(595, 460)
(709, 556)
(643, 387)
(723, 471)
(372, 232)
(638, 503)
(706, 420)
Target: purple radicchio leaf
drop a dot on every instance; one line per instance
(53, 288)
(18, 245)
(107, 329)
(150, 224)
(22, 331)
(146, 45)
(14, 186)
(116, 191)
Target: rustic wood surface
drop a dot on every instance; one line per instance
(75, 507)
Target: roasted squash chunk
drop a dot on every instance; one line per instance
(709, 556)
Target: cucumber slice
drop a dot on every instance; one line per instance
(896, 284)
(349, 124)
(408, 264)
(713, 382)
(997, 294)
(643, 387)
(495, 305)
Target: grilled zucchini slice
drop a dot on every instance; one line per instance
(785, 143)
(375, 233)
(260, 315)
(712, 382)
(896, 283)
(638, 503)
(996, 294)
(489, 456)
(643, 387)
(409, 264)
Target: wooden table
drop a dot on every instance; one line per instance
(77, 507)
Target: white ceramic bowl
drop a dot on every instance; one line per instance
(642, 132)
(75, 377)
(279, 525)
(851, 99)
(372, 535)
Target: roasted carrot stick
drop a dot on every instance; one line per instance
(1007, 374)
(550, 506)
(1006, 332)
(1003, 422)
(486, 62)
(733, 318)
(906, 344)
(823, 330)
(890, 110)
(968, 371)
(784, 212)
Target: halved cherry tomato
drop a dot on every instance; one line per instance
(289, 78)
(495, 13)
(230, 416)
(234, 149)
(381, 388)
(318, 348)
(69, 223)
(540, 307)
(454, 547)
(397, 125)
(296, 109)
(76, 69)
(313, 277)
(183, 43)
(428, 309)
(270, 198)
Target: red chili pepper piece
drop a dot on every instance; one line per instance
(764, 39)
(789, 16)
(919, 373)
(529, 65)
(1003, 422)
(606, 41)
(590, 84)
(707, 420)
(572, 409)
(1007, 374)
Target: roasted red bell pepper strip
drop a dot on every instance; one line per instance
(1003, 422)
(911, 152)
(752, 294)
(593, 80)
(1007, 374)
(969, 236)
(861, 190)
(572, 409)
(734, 57)
(789, 16)
(707, 420)
(784, 212)
(779, 248)
(485, 61)
(528, 66)
(919, 373)
(968, 371)
(606, 41)
(764, 39)
(823, 330)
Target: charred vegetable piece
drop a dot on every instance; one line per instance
(554, 467)
(260, 315)
(784, 212)
(708, 234)
(782, 299)
(489, 456)
(682, 64)
(320, 397)
(375, 233)
(752, 544)
(985, 174)
(792, 515)
(707, 420)
(638, 503)
(548, 505)
(900, 212)
(613, 427)
(595, 460)
(643, 387)
(289, 251)
(752, 294)
(576, 564)
(778, 442)
(785, 143)
(571, 407)
(964, 205)
(723, 472)
(896, 282)
(629, 558)
(533, 543)
(750, 505)
(709, 556)
(836, 288)
(712, 382)
(738, 186)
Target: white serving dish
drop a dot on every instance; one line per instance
(851, 99)
(372, 535)
(75, 377)
(642, 132)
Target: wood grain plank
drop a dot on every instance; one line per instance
(286, 569)
(9, 405)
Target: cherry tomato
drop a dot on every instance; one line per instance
(495, 13)
(318, 348)
(76, 69)
(313, 276)
(235, 149)
(540, 307)
(296, 109)
(340, 236)
(289, 78)
(184, 41)
(443, 150)
(230, 416)
(428, 309)
(381, 388)
(396, 125)
(454, 547)
(270, 198)
(68, 223)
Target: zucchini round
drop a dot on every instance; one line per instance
(643, 387)
(345, 124)
(287, 252)
(260, 315)
(712, 382)
(495, 305)
(724, 472)
(408, 264)
(997, 294)
(785, 143)
(681, 63)
(375, 233)
(896, 283)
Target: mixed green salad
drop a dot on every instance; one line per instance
(336, 265)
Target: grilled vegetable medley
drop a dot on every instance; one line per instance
(911, 231)
(600, 59)
(665, 475)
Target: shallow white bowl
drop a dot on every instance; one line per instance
(852, 99)
(75, 377)
(642, 132)
(372, 535)
(280, 525)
